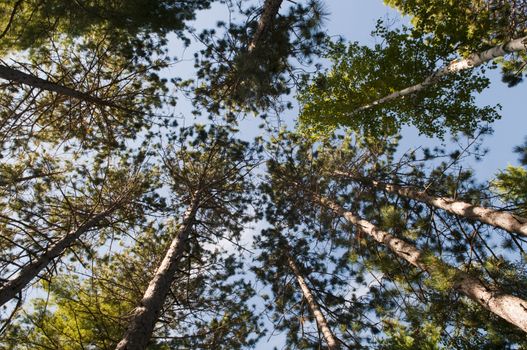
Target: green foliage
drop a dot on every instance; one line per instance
(132, 26)
(399, 337)
(424, 302)
(475, 24)
(232, 78)
(112, 50)
(65, 160)
(76, 315)
(391, 217)
(471, 26)
(511, 184)
(89, 64)
(93, 312)
(360, 75)
(442, 277)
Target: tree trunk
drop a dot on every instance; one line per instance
(17, 76)
(474, 60)
(510, 308)
(11, 17)
(503, 220)
(14, 286)
(313, 306)
(270, 11)
(145, 315)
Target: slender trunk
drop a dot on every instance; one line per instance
(14, 286)
(17, 76)
(11, 17)
(510, 308)
(503, 220)
(474, 60)
(270, 11)
(145, 315)
(313, 306)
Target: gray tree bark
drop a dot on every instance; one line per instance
(146, 314)
(313, 306)
(17, 76)
(269, 13)
(474, 60)
(14, 286)
(506, 221)
(510, 308)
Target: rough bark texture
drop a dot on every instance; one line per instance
(270, 11)
(503, 220)
(145, 315)
(17, 76)
(313, 306)
(474, 60)
(14, 286)
(510, 308)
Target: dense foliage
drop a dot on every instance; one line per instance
(120, 228)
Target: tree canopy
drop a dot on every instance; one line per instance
(259, 196)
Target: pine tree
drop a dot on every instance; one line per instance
(46, 218)
(88, 309)
(118, 230)
(133, 27)
(302, 171)
(511, 183)
(503, 220)
(247, 67)
(207, 174)
(103, 98)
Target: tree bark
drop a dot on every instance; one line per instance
(269, 13)
(14, 286)
(506, 221)
(474, 60)
(512, 309)
(146, 314)
(313, 306)
(17, 76)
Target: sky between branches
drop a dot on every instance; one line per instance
(354, 20)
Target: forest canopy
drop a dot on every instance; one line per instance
(253, 174)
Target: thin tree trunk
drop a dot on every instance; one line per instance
(269, 13)
(313, 306)
(11, 17)
(17, 76)
(14, 286)
(510, 308)
(146, 314)
(474, 60)
(506, 221)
